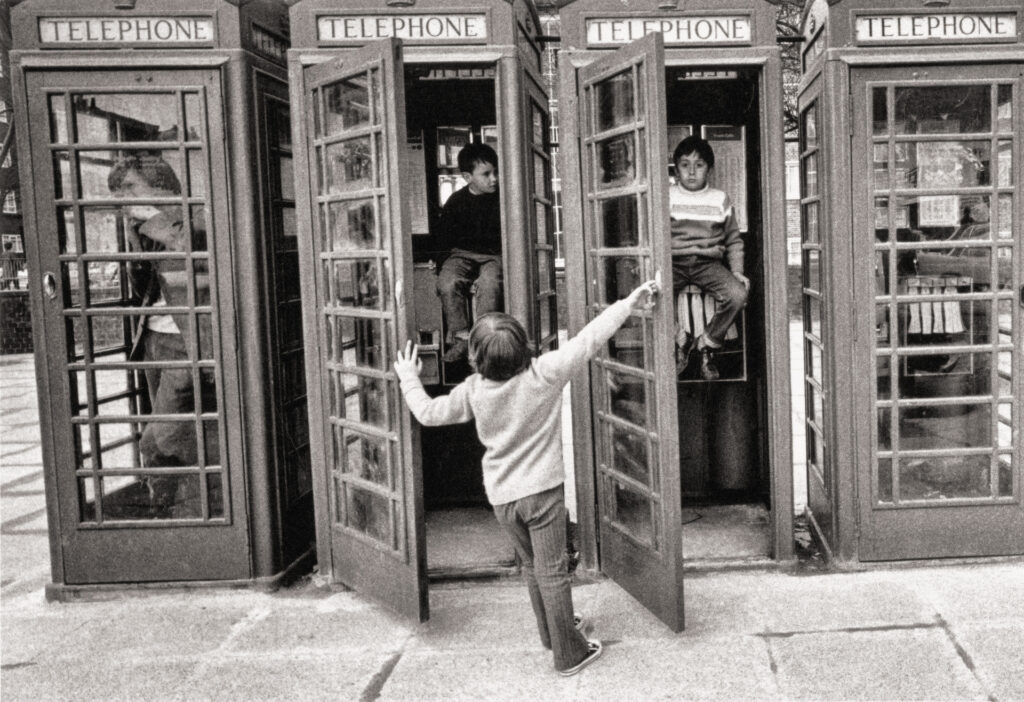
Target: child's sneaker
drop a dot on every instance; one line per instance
(580, 622)
(594, 649)
(684, 346)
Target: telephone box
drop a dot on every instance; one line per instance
(911, 153)
(156, 166)
(671, 469)
(389, 94)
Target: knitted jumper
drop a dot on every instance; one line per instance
(704, 224)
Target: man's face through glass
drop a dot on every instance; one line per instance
(134, 185)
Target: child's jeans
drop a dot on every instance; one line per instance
(711, 275)
(457, 275)
(536, 525)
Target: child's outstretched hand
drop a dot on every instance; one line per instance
(407, 362)
(643, 296)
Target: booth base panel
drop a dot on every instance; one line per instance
(467, 542)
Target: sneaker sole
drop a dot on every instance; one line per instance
(591, 657)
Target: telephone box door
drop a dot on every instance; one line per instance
(625, 192)
(938, 249)
(360, 264)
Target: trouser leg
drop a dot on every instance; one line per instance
(453, 281)
(489, 297)
(731, 294)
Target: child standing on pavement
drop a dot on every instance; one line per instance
(517, 404)
(707, 250)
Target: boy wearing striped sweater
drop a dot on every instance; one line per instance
(707, 251)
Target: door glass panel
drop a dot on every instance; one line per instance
(349, 166)
(366, 400)
(353, 225)
(629, 454)
(621, 275)
(941, 109)
(925, 428)
(616, 161)
(1005, 487)
(366, 457)
(346, 104)
(150, 189)
(628, 397)
(363, 342)
(627, 344)
(369, 513)
(944, 477)
(945, 375)
(359, 283)
(615, 101)
(632, 513)
(620, 222)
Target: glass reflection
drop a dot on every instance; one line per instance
(944, 477)
(943, 109)
(621, 275)
(632, 512)
(357, 283)
(616, 160)
(347, 104)
(353, 225)
(349, 166)
(629, 454)
(615, 104)
(362, 342)
(365, 457)
(627, 398)
(627, 344)
(365, 400)
(106, 118)
(368, 513)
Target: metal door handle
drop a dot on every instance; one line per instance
(49, 285)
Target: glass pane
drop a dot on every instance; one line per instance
(377, 89)
(627, 344)
(63, 185)
(105, 231)
(349, 166)
(943, 109)
(363, 342)
(1005, 486)
(944, 164)
(153, 497)
(629, 454)
(545, 272)
(286, 174)
(810, 127)
(538, 124)
(621, 276)
(541, 213)
(87, 499)
(627, 397)
(885, 480)
(193, 117)
(114, 390)
(946, 426)
(810, 222)
(353, 225)
(1005, 230)
(119, 117)
(614, 101)
(548, 315)
(366, 400)
(357, 283)
(1004, 438)
(616, 160)
(631, 510)
(884, 429)
(945, 375)
(215, 495)
(1005, 371)
(347, 104)
(880, 111)
(196, 173)
(810, 165)
(1004, 164)
(368, 513)
(131, 174)
(812, 269)
(540, 175)
(58, 120)
(619, 222)
(944, 478)
(1004, 108)
(364, 456)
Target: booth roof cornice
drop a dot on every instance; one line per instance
(552, 5)
(236, 3)
(289, 3)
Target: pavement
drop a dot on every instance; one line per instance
(935, 632)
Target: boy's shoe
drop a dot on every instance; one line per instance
(708, 368)
(683, 350)
(594, 649)
(579, 622)
(456, 352)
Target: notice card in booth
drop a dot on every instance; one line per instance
(729, 143)
(415, 184)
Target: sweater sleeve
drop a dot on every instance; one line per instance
(452, 408)
(558, 366)
(733, 241)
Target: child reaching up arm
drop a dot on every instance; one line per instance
(517, 404)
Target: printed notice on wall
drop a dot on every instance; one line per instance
(730, 172)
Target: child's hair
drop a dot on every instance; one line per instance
(498, 349)
(472, 154)
(691, 144)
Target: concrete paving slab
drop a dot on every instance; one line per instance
(286, 677)
(26, 640)
(82, 680)
(493, 675)
(996, 650)
(894, 664)
(311, 626)
(152, 628)
(837, 601)
(614, 614)
(687, 668)
(960, 594)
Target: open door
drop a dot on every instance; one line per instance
(356, 268)
(624, 147)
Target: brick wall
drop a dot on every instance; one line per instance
(15, 322)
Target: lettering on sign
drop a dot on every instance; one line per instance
(268, 44)
(126, 30)
(952, 26)
(450, 28)
(677, 31)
